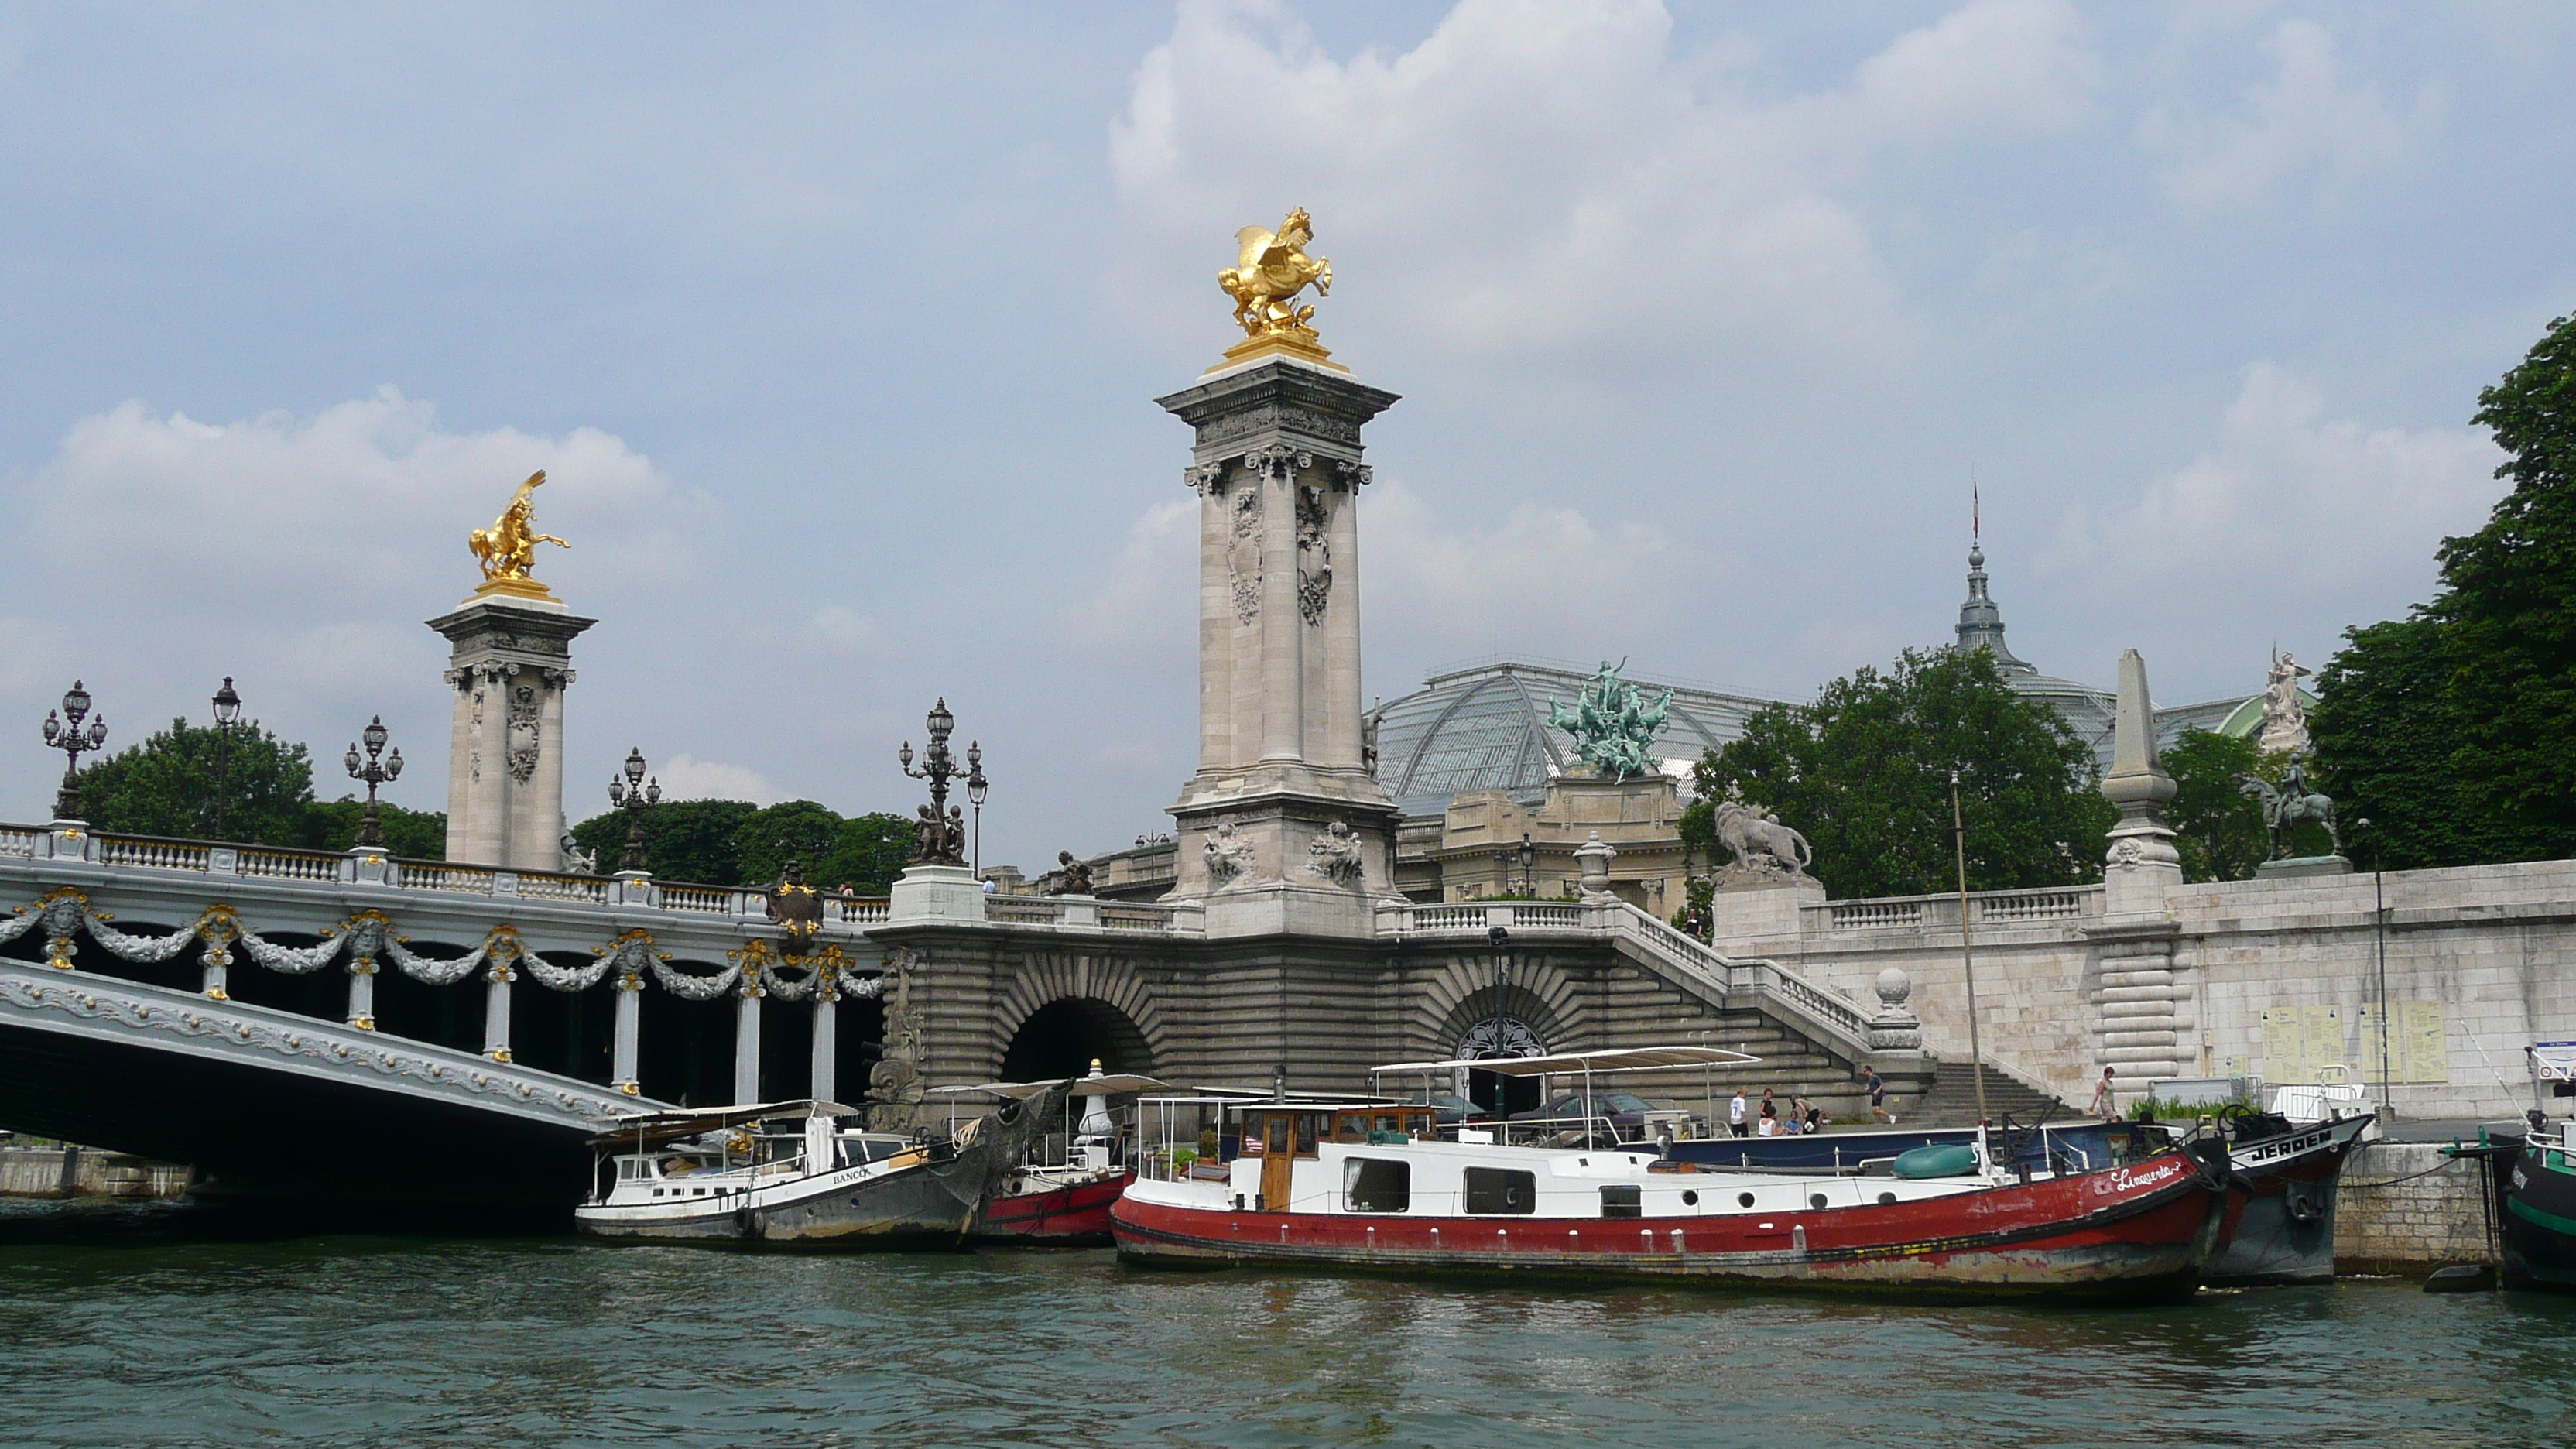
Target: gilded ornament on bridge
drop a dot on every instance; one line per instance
(1271, 268)
(508, 549)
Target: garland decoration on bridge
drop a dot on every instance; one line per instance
(430, 971)
(292, 960)
(696, 988)
(565, 978)
(143, 950)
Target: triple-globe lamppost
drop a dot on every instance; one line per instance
(375, 770)
(632, 795)
(937, 832)
(63, 732)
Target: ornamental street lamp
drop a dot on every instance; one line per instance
(632, 795)
(64, 733)
(373, 772)
(1529, 865)
(977, 787)
(939, 837)
(227, 710)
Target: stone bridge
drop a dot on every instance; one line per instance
(359, 1027)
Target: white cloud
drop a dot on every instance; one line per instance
(1542, 177)
(299, 555)
(844, 632)
(1544, 577)
(1142, 610)
(2290, 505)
(686, 777)
(2307, 121)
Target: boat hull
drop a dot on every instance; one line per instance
(1075, 1215)
(2284, 1226)
(921, 1204)
(2141, 1231)
(2539, 1220)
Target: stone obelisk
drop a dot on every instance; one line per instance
(1284, 827)
(510, 662)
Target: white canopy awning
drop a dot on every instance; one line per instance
(1100, 1086)
(1610, 1059)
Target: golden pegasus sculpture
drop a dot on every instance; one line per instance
(508, 549)
(1271, 269)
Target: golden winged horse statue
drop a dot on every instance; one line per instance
(1270, 271)
(508, 549)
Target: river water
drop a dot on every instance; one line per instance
(120, 1330)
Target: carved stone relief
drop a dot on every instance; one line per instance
(525, 728)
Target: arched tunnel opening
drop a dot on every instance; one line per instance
(1062, 1038)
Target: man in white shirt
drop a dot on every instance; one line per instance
(1735, 1113)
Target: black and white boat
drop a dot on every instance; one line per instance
(786, 1174)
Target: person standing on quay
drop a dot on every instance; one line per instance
(1735, 1114)
(2105, 1105)
(1877, 1088)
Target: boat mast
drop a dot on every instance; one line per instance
(1967, 947)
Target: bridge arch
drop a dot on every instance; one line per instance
(1061, 1011)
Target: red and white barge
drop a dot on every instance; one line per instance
(1370, 1185)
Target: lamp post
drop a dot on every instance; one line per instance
(1500, 938)
(632, 795)
(227, 709)
(2379, 934)
(64, 733)
(938, 766)
(1529, 865)
(373, 771)
(977, 787)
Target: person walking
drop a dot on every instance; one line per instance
(1735, 1114)
(2105, 1104)
(1872, 1083)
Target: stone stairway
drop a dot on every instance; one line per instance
(1952, 1102)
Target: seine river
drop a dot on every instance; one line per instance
(126, 1338)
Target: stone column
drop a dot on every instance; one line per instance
(1277, 467)
(2142, 863)
(496, 1009)
(509, 663)
(746, 1044)
(826, 1061)
(630, 1000)
(362, 995)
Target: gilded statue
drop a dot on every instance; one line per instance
(508, 549)
(1272, 269)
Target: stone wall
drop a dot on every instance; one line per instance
(2268, 978)
(2405, 1208)
(38, 1172)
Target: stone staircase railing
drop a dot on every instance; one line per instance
(1815, 1009)
(1998, 909)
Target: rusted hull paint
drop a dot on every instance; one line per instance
(1076, 1216)
(2092, 1236)
(2283, 1212)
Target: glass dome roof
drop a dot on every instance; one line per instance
(1484, 727)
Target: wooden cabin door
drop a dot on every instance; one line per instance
(1278, 1161)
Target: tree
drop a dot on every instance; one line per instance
(2217, 826)
(2509, 606)
(413, 834)
(684, 840)
(2454, 730)
(1864, 772)
(2384, 736)
(168, 785)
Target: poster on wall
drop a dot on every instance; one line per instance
(2416, 1042)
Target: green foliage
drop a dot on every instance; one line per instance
(2217, 827)
(736, 843)
(1864, 772)
(168, 785)
(416, 834)
(2384, 741)
(2455, 729)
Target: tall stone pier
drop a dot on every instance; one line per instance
(1283, 828)
(510, 665)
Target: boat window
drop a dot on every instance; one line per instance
(1501, 1190)
(1376, 1185)
(1309, 1127)
(1690, 1197)
(1351, 1127)
(1744, 1199)
(1815, 1199)
(1620, 1200)
(1274, 1132)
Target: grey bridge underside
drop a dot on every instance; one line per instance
(269, 1104)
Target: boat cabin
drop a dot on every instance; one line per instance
(1280, 1133)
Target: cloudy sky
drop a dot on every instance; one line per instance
(837, 331)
